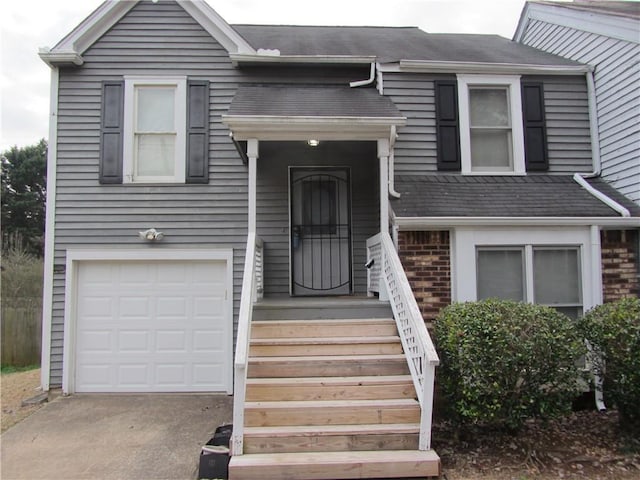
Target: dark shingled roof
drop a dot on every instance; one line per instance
(312, 101)
(503, 196)
(391, 44)
(628, 9)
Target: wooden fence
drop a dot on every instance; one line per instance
(21, 331)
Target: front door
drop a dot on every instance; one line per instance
(320, 231)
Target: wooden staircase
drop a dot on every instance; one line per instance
(329, 398)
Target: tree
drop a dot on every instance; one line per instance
(24, 183)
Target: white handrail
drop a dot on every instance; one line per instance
(416, 342)
(252, 285)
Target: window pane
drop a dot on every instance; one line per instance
(556, 278)
(156, 109)
(491, 149)
(488, 107)
(155, 155)
(501, 274)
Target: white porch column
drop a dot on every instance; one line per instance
(252, 154)
(383, 155)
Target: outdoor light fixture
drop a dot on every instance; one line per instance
(313, 142)
(151, 235)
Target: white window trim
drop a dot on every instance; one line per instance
(467, 240)
(130, 83)
(512, 84)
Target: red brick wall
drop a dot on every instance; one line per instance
(619, 264)
(426, 258)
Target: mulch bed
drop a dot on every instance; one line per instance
(583, 445)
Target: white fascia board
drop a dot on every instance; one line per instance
(600, 23)
(430, 223)
(216, 26)
(429, 66)
(93, 27)
(304, 128)
(111, 11)
(257, 58)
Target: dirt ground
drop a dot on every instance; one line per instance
(14, 388)
(584, 445)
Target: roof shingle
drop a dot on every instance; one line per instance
(502, 196)
(391, 44)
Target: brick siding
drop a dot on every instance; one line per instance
(619, 264)
(426, 258)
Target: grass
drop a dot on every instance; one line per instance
(5, 369)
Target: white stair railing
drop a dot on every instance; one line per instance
(386, 272)
(252, 287)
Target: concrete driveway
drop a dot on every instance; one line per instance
(121, 437)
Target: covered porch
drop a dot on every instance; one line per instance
(323, 390)
(318, 163)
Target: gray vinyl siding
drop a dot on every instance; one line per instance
(414, 95)
(617, 80)
(567, 116)
(153, 39)
(273, 202)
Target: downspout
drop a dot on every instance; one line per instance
(595, 151)
(368, 81)
(593, 125)
(392, 137)
(392, 141)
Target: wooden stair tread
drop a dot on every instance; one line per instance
(337, 381)
(329, 358)
(325, 321)
(332, 465)
(323, 340)
(328, 430)
(394, 402)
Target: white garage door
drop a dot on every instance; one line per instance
(152, 326)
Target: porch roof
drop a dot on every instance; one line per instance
(292, 112)
(503, 196)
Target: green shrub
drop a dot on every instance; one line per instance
(503, 362)
(613, 329)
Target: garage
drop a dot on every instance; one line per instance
(151, 325)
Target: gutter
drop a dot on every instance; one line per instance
(431, 66)
(431, 223)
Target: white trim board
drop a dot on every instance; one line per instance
(49, 245)
(466, 239)
(600, 23)
(76, 257)
(101, 20)
(432, 223)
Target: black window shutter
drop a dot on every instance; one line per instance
(111, 131)
(535, 135)
(197, 131)
(447, 127)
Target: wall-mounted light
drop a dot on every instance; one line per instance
(313, 142)
(151, 235)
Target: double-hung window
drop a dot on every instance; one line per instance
(546, 275)
(491, 133)
(154, 130)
